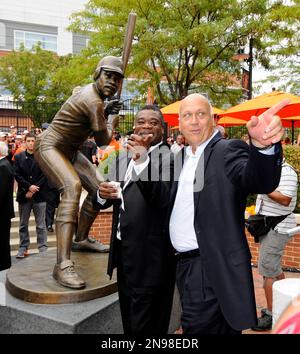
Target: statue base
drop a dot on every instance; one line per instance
(98, 316)
(31, 279)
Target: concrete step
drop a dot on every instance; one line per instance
(14, 242)
(14, 231)
(31, 251)
(15, 222)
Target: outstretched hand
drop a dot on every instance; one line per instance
(267, 128)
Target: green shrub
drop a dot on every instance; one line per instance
(292, 156)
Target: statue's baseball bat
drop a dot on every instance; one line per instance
(127, 44)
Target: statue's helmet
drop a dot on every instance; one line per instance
(109, 63)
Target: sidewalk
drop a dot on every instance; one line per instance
(260, 295)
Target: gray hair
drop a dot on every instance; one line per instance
(3, 149)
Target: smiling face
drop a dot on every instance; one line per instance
(196, 119)
(108, 82)
(148, 121)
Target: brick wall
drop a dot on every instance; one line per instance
(101, 228)
(291, 256)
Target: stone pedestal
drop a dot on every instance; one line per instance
(96, 316)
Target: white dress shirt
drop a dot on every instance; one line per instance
(182, 232)
(138, 168)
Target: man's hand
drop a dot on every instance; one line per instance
(33, 189)
(113, 107)
(108, 190)
(139, 145)
(267, 129)
(29, 195)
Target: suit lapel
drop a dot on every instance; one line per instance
(123, 162)
(178, 164)
(200, 174)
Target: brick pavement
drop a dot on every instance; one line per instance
(260, 295)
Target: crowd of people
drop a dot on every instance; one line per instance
(33, 191)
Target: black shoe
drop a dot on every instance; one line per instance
(50, 228)
(264, 323)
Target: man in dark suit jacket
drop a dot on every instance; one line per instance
(140, 246)
(31, 195)
(6, 206)
(214, 275)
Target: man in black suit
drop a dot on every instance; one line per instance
(214, 275)
(6, 206)
(140, 246)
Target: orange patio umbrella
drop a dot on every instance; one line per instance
(171, 113)
(260, 104)
(230, 121)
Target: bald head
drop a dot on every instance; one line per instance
(195, 98)
(196, 119)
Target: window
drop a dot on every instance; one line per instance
(29, 39)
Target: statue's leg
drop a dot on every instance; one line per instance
(63, 176)
(90, 179)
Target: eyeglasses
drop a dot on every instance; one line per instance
(189, 115)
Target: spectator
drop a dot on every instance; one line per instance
(214, 275)
(13, 130)
(89, 150)
(6, 206)
(30, 196)
(170, 141)
(280, 202)
(178, 145)
(3, 137)
(20, 146)
(221, 129)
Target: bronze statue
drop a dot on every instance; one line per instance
(56, 151)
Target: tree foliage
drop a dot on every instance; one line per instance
(185, 45)
(27, 74)
(285, 54)
(41, 80)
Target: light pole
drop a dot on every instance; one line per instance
(246, 73)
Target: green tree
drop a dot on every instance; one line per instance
(186, 45)
(28, 76)
(41, 80)
(77, 71)
(285, 54)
